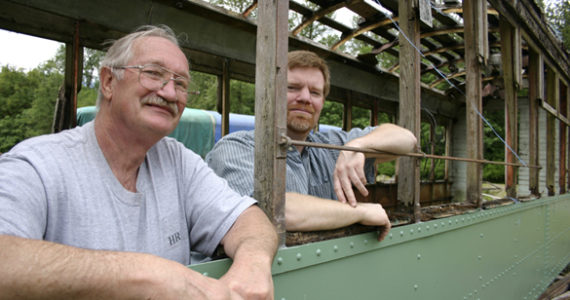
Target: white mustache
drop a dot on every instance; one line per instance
(157, 100)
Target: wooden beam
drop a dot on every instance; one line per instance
(308, 20)
(270, 111)
(562, 147)
(524, 15)
(473, 101)
(535, 93)
(409, 110)
(510, 68)
(249, 9)
(553, 112)
(552, 92)
(567, 96)
(362, 29)
(347, 113)
(224, 85)
(66, 104)
(448, 149)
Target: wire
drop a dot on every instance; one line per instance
(401, 32)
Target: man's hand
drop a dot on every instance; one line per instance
(250, 282)
(349, 171)
(375, 215)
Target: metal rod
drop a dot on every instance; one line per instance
(288, 141)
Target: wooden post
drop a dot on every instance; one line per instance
(473, 87)
(562, 148)
(535, 94)
(448, 137)
(65, 116)
(510, 54)
(224, 85)
(271, 110)
(374, 117)
(552, 99)
(432, 151)
(567, 96)
(347, 116)
(409, 108)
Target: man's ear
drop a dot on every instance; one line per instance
(106, 78)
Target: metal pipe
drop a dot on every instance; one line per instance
(288, 141)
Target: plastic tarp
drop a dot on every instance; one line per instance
(195, 130)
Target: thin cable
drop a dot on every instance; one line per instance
(450, 83)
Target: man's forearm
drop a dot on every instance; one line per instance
(387, 137)
(34, 269)
(252, 243)
(309, 213)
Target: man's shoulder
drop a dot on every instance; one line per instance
(51, 142)
(243, 136)
(338, 137)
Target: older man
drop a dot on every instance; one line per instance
(315, 175)
(111, 210)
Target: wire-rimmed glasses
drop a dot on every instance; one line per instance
(154, 77)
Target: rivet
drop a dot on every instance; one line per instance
(419, 229)
(419, 256)
(335, 248)
(480, 277)
(390, 235)
(479, 257)
(299, 256)
(427, 227)
(280, 260)
(450, 222)
(481, 235)
(401, 233)
(411, 231)
(205, 273)
(318, 252)
(434, 225)
(442, 224)
(416, 286)
(351, 245)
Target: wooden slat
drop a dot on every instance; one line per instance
(473, 101)
(510, 68)
(562, 147)
(270, 111)
(552, 99)
(535, 93)
(224, 94)
(66, 105)
(409, 111)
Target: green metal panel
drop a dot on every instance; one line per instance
(511, 252)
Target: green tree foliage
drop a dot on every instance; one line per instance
(205, 91)
(27, 101)
(493, 147)
(558, 15)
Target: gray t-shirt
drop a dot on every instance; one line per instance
(60, 188)
(309, 172)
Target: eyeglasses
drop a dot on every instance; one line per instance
(155, 77)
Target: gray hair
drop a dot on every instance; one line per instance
(120, 52)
